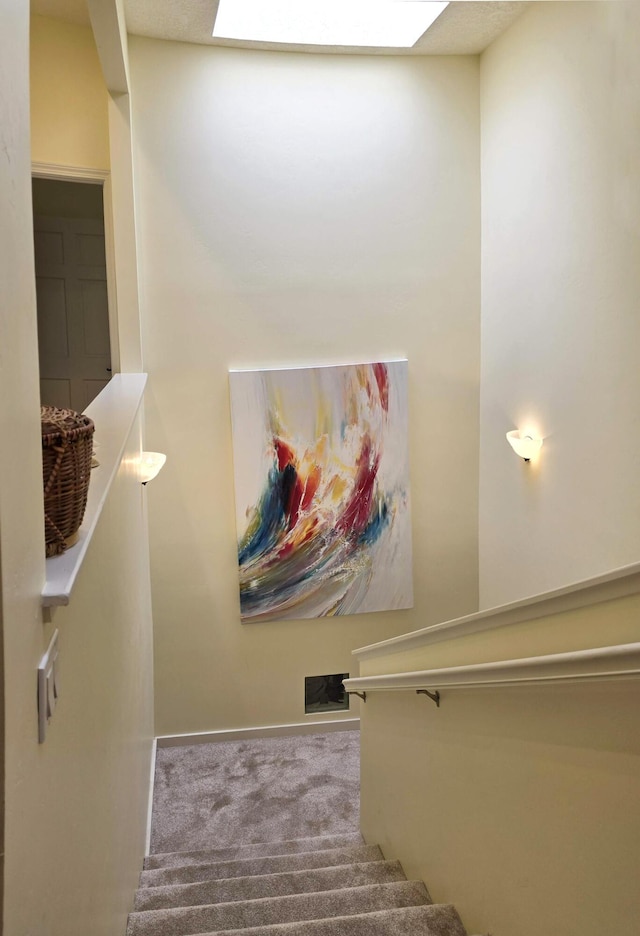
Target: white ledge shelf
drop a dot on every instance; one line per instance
(619, 662)
(618, 583)
(113, 412)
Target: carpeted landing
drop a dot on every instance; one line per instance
(331, 884)
(261, 790)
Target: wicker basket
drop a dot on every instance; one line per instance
(67, 446)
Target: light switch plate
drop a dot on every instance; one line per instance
(48, 686)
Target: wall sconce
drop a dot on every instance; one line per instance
(525, 446)
(150, 464)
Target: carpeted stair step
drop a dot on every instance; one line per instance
(268, 885)
(243, 914)
(434, 920)
(260, 850)
(277, 864)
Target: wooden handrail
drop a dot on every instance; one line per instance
(618, 662)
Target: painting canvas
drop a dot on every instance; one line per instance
(322, 490)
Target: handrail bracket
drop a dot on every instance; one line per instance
(434, 696)
(361, 695)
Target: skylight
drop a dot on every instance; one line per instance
(386, 23)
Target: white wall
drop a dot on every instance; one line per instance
(298, 209)
(75, 806)
(560, 104)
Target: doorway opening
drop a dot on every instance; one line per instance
(71, 288)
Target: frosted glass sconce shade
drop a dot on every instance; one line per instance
(525, 446)
(150, 464)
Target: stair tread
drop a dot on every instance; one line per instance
(268, 885)
(288, 909)
(192, 873)
(257, 850)
(428, 920)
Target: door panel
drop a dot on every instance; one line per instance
(56, 393)
(49, 246)
(95, 318)
(73, 315)
(90, 249)
(52, 316)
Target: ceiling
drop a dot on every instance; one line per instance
(464, 28)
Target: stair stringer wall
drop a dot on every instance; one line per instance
(519, 802)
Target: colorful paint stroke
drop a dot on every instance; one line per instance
(322, 490)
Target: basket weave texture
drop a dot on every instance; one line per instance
(67, 447)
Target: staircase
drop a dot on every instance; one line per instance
(325, 886)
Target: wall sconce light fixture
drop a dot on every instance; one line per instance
(150, 464)
(525, 446)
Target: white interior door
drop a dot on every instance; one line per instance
(73, 313)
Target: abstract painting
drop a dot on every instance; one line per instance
(322, 490)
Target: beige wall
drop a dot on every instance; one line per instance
(517, 805)
(74, 806)
(21, 514)
(520, 805)
(83, 794)
(298, 209)
(69, 124)
(124, 235)
(560, 93)
(75, 122)
(604, 624)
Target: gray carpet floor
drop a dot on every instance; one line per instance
(262, 790)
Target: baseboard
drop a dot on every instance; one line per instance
(268, 731)
(147, 845)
